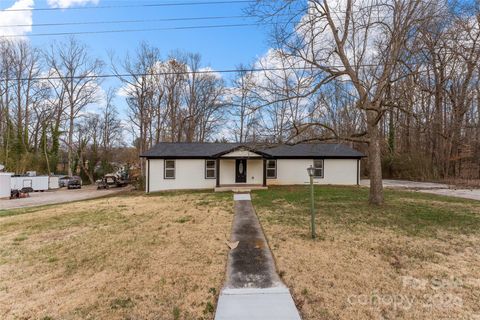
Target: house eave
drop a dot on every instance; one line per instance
(268, 157)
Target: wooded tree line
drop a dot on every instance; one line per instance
(398, 79)
(44, 121)
(173, 99)
(55, 116)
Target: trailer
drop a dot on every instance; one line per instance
(38, 183)
(54, 182)
(5, 182)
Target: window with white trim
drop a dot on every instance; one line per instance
(271, 169)
(169, 169)
(318, 166)
(210, 169)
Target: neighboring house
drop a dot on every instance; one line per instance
(175, 166)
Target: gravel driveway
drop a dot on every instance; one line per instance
(407, 184)
(58, 196)
(429, 187)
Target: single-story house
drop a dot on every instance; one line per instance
(176, 166)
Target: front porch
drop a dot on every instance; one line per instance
(240, 170)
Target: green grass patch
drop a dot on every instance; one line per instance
(183, 219)
(121, 303)
(206, 195)
(16, 212)
(409, 212)
(176, 313)
(20, 238)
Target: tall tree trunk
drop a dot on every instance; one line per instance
(70, 143)
(45, 148)
(375, 163)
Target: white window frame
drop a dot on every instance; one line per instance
(275, 169)
(320, 168)
(214, 169)
(165, 169)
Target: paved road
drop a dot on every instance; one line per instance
(58, 196)
(429, 187)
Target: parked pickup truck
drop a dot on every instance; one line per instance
(74, 183)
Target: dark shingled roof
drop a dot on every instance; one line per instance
(212, 150)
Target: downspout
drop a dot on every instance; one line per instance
(264, 172)
(148, 175)
(358, 172)
(217, 163)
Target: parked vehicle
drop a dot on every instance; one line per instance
(5, 185)
(119, 179)
(18, 194)
(102, 184)
(53, 183)
(63, 181)
(74, 183)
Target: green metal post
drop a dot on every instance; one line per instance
(312, 206)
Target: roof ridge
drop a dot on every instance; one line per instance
(209, 149)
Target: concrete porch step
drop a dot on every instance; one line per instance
(240, 188)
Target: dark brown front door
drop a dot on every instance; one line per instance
(241, 171)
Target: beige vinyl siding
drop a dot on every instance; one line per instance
(189, 174)
(336, 171)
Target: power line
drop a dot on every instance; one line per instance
(137, 30)
(145, 5)
(126, 21)
(238, 25)
(152, 74)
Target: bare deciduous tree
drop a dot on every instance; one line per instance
(362, 43)
(72, 69)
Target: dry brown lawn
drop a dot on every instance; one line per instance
(123, 257)
(417, 257)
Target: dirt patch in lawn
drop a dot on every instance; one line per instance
(125, 257)
(362, 269)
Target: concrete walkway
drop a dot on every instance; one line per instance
(253, 289)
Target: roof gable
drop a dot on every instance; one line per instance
(242, 151)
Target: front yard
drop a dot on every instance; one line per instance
(123, 257)
(418, 257)
(163, 256)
